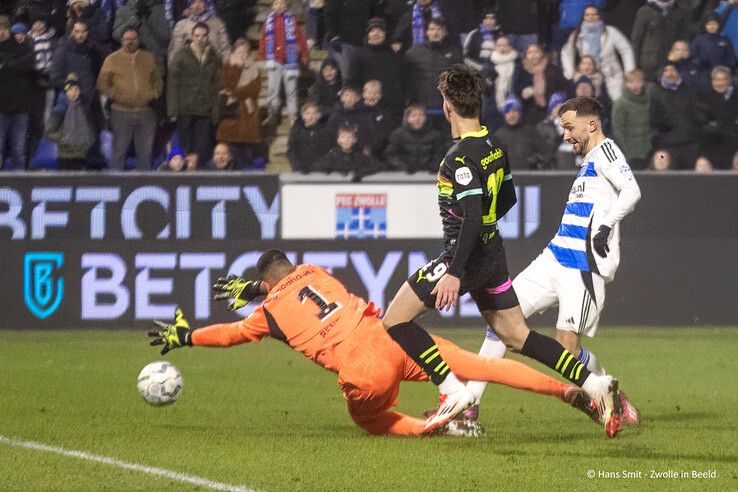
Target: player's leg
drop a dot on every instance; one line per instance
(501, 310)
(535, 292)
(470, 366)
(413, 298)
(370, 370)
(581, 299)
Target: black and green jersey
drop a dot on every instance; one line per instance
(476, 166)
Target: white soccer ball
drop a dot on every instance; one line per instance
(160, 383)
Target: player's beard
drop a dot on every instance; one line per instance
(580, 146)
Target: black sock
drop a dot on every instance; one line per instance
(419, 345)
(551, 353)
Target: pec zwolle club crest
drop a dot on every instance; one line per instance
(43, 288)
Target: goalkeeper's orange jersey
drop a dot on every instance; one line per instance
(309, 310)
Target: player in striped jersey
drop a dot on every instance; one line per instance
(584, 254)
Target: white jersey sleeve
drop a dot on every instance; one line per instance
(611, 164)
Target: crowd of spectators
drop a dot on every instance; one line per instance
(175, 84)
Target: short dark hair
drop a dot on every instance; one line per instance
(462, 86)
(582, 106)
(201, 25)
(270, 259)
(128, 29)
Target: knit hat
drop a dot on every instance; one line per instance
(512, 103)
(4, 22)
(18, 28)
(71, 81)
(176, 150)
(584, 80)
(556, 99)
(376, 22)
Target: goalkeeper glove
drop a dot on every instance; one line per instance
(172, 335)
(599, 241)
(237, 288)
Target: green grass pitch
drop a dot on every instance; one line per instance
(263, 417)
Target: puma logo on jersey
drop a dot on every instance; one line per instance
(463, 175)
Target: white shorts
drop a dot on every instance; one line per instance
(580, 295)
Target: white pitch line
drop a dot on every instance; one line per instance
(106, 460)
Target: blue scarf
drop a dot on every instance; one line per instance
(290, 35)
(488, 34)
(668, 86)
(591, 36)
(419, 21)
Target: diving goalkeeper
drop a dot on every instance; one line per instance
(313, 313)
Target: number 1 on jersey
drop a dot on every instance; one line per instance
(326, 308)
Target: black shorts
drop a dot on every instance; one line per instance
(485, 277)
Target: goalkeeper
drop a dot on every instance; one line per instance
(313, 313)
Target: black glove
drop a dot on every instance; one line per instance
(172, 335)
(599, 241)
(237, 288)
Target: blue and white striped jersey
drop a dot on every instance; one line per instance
(603, 192)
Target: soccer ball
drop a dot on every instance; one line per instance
(160, 383)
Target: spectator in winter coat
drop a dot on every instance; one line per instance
(425, 62)
(657, 25)
(351, 112)
(148, 17)
(200, 11)
(326, 87)
(382, 119)
(720, 135)
(77, 53)
(521, 141)
(630, 121)
(308, 140)
(688, 68)
(711, 49)
(480, 42)
(605, 44)
(16, 80)
(587, 67)
(415, 147)
(240, 84)
(376, 61)
(345, 23)
(676, 118)
(347, 158)
(70, 126)
(192, 93)
(412, 27)
(571, 14)
(504, 60)
(534, 80)
(131, 80)
(97, 25)
(282, 46)
(43, 38)
(728, 12)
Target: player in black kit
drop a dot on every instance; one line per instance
(475, 189)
